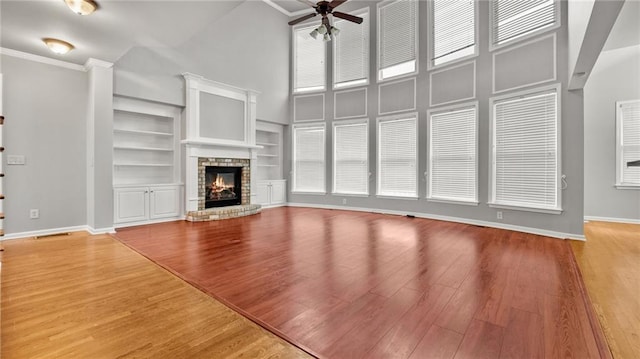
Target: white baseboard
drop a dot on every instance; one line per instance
(45, 232)
(612, 219)
(151, 221)
(538, 231)
(274, 205)
(101, 230)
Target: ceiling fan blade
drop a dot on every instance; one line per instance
(335, 3)
(357, 20)
(301, 19)
(308, 2)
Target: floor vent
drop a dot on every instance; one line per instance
(52, 235)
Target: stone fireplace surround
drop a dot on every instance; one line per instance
(202, 148)
(244, 209)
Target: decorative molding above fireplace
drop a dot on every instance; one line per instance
(220, 122)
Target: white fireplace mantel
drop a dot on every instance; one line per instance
(201, 141)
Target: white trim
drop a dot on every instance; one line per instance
(612, 219)
(620, 165)
(45, 232)
(556, 25)
(475, 105)
(150, 221)
(415, 95)
(555, 64)
(366, 103)
(360, 121)
(294, 28)
(536, 231)
(91, 63)
(476, 52)
(457, 65)
(280, 8)
(402, 116)
(310, 120)
(417, 44)
(361, 12)
(492, 168)
(41, 59)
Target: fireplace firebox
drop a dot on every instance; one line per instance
(223, 186)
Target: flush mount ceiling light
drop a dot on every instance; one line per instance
(82, 7)
(58, 46)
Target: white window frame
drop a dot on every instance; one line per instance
(361, 121)
(293, 61)
(293, 156)
(430, 36)
(379, 120)
(360, 82)
(416, 61)
(453, 108)
(492, 171)
(620, 165)
(524, 36)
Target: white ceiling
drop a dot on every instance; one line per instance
(108, 33)
(121, 24)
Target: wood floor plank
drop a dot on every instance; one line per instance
(351, 284)
(83, 296)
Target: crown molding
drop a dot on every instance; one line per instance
(278, 7)
(42, 59)
(91, 63)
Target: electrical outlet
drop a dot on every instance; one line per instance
(344, 201)
(499, 214)
(34, 213)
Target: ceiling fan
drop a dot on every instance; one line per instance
(325, 8)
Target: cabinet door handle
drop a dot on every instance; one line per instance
(146, 191)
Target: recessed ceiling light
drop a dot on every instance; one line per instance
(82, 7)
(58, 46)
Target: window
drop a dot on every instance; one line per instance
(628, 143)
(308, 158)
(513, 19)
(397, 151)
(397, 38)
(350, 157)
(452, 30)
(351, 52)
(308, 61)
(453, 151)
(525, 167)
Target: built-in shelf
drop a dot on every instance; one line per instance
(269, 138)
(266, 144)
(259, 165)
(143, 132)
(266, 155)
(143, 164)
(135, 148)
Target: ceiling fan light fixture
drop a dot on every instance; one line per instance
(314, 33)
(82, 7)
(57, 46)
(326, 37)
(322, 29)
(335, 30)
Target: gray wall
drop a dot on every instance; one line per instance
(615, 77)
(248, 48)
(570, 221)
(45, 112)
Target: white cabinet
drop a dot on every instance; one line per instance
(272, 193)
(141, 204)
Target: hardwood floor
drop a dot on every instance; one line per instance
(84, 296)
(358, 285)
(610, 266)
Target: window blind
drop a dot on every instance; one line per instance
(629, 142)
(351, 52)
(525, 151)
(453, 30)
(309, 159)
(309, 61)
(397, 37)
(350, 156)
(452, 155)
(397, 150)
(516, 18)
